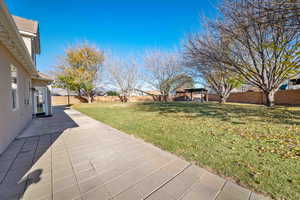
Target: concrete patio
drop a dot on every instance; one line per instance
(71, 156)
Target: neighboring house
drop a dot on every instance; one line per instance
(138, 93)
(24, 91)
(191, 94)
(294, 83)
(246, 88)
(290, 84)
(99, 91)
(149, 92)
(62, 92)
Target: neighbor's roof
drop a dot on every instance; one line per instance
(62, 92)
(154, 92)
(180, 90)
(191, 90)
(26, 24)
(45, 76)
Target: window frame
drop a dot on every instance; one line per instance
(14, 99)
(30, 92)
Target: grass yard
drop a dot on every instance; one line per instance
(258, 147)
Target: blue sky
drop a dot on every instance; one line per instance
(126, 27)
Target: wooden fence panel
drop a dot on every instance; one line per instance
(284, 97)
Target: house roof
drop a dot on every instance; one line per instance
(29, 28)
(154, 92)
(12, 40)
(26, 24)
(42, 77)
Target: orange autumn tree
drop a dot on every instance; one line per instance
(82, 63)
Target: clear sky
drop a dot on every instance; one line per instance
(126, 27)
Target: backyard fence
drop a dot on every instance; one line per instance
(284, 97)
(63, 100)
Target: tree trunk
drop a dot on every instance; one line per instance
(270, 98)
(123, 99)
(89, 98)
(165, 98)
(68, 96)
(223, 100)
(206, 97)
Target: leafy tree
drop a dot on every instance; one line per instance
(112, 93)
(79, 69)
(65, 82)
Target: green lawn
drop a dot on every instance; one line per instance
(259, 147)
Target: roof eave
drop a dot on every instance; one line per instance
(35, 37)
(41, 79)
(10, 37)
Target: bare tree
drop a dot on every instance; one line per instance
(199, 54)
(124, 75)
(263, 48)
(165, 72)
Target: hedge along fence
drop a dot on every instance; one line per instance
(283, 97)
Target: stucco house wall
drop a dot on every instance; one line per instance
(12, 121)
(19, 44)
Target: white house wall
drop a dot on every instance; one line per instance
(12, 122)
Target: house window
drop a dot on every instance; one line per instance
(14, 87)
(295, 81)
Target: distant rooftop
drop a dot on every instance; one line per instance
(184, 90)
(26, 24)
(45, 76)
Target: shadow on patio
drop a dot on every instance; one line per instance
(27, 161)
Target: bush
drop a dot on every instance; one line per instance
(112, 93)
